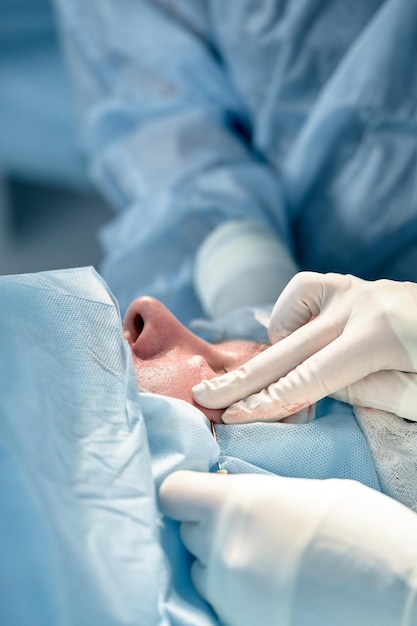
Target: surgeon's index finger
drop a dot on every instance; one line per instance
(188, 496)
(266, 367)
(330, 369)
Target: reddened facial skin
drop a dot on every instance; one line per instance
(169, 359)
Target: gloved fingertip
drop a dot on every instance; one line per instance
(237, 414)
(204, 393)
(199, 391)
(174, 482)
(180, 495)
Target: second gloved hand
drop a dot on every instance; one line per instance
(242, 531)
(291, 551)
(332, 335)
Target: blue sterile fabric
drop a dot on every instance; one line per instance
(78, 526)
(298, 115)
(179, 438)
(83, 452)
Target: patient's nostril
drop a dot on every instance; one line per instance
(139, 324)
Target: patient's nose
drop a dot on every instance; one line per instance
(151, 329)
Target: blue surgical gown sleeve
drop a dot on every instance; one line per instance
(299, 116)
(167, 139)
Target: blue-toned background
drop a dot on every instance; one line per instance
(49, 216)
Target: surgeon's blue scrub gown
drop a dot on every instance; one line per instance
(299, 115)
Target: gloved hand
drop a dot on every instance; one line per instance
(332, 335)
(274, 550)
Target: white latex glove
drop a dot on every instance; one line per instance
(281, 551)
(332, 335)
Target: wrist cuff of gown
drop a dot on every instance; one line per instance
(239, 264)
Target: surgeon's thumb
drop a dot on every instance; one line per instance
(298, 303)
(188, 496)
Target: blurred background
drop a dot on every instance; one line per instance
(49, 215)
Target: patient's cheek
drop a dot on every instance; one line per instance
(175, 377)
(174, 372)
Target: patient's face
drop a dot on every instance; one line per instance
(169, 359)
